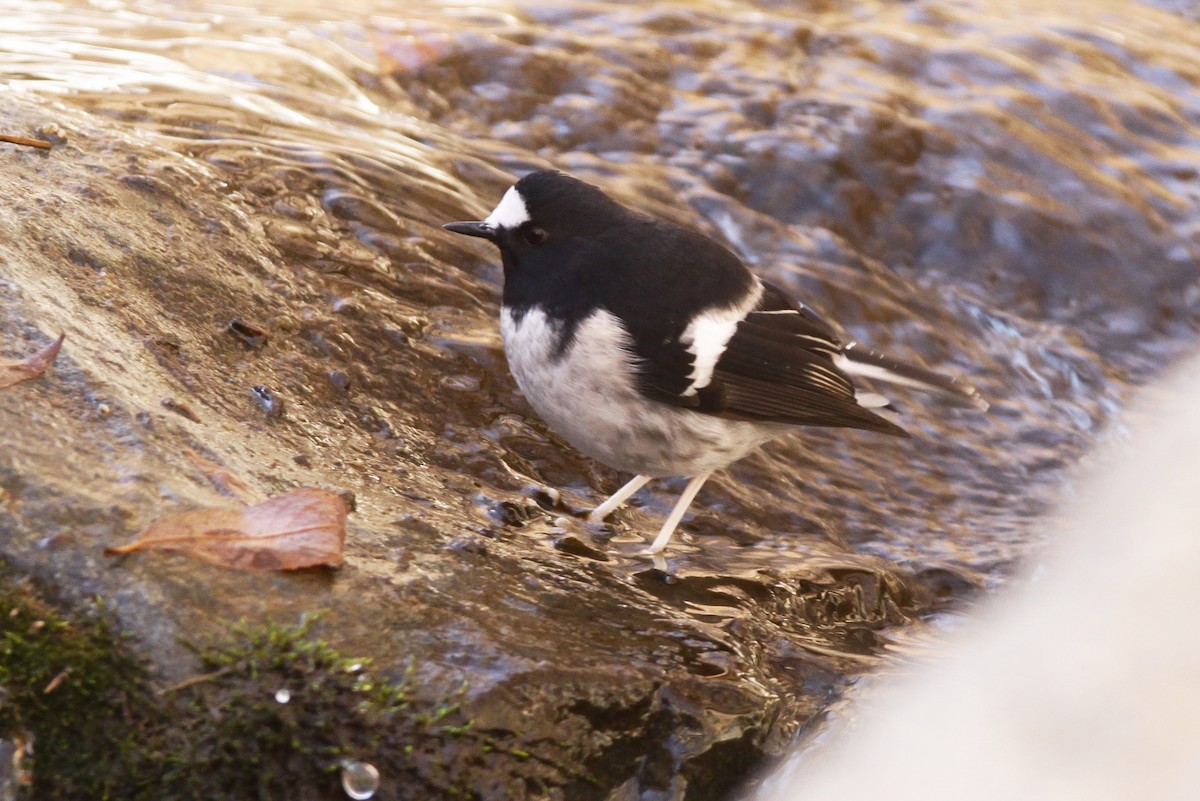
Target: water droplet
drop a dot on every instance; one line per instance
(283, 695)
(360, 780)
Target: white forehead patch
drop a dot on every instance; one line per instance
(511, 212)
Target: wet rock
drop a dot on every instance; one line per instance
(468, 544)
(251, 335)
(339, 380)
(268, 400)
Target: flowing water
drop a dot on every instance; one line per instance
(1003, 189)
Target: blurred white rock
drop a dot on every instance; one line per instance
(1082, 681)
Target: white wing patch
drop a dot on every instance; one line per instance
(708, 334)
(870, 400)
(511, 211)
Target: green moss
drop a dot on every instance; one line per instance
(101, 730)
(277, 707)
(67, 690)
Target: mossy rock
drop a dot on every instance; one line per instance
(275, 713)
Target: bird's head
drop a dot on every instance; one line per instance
(541, 210)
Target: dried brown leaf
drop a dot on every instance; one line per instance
(14, 371)
(304, 528)
(222, 478)
(409, 53)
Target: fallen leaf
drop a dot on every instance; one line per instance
(304, 528)
(57, 681)
(407, 53)
(180, 408)
(222, 478)
(13, 371)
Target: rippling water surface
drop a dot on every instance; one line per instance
(1005, 189)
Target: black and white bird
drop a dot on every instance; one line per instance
(653, 349)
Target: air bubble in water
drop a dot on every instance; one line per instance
(360, 780)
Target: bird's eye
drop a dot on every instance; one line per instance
(534, 235)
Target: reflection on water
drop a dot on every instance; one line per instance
(1003, 189)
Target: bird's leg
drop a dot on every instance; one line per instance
(681, 506)
(617, 500)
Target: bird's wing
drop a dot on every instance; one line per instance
(777, 366)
